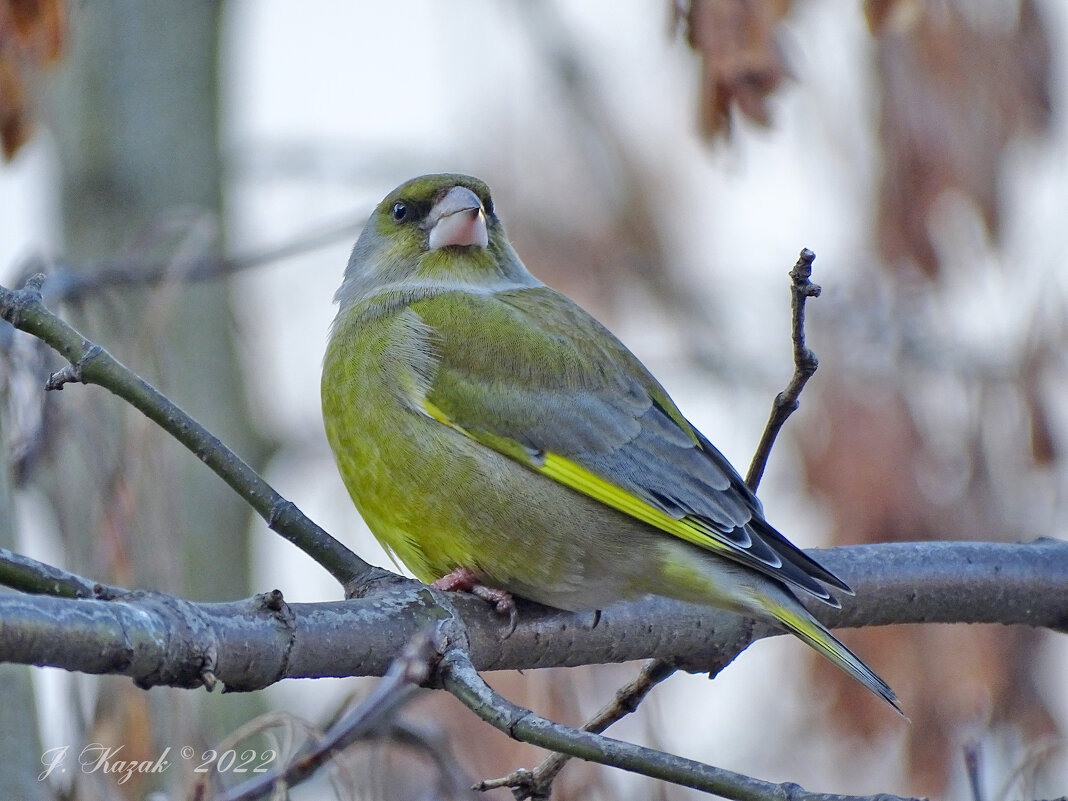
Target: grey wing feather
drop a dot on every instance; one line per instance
(618, 422)
(664, 467)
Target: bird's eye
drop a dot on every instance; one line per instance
(400, 211)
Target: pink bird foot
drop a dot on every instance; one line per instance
(463, 579)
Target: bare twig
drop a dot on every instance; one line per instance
(463, 681)
(69, 283)
(91, 364)
(28, 575)
(973, 765)
(434, 743)
(1045, 751)
(805, 364)
(537, 783)
(407, 673)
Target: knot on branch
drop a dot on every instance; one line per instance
(186, 651)
(73, 372)
(15, 302)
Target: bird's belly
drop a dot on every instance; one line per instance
(469, 506)
(440, 500)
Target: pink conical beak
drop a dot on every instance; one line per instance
(458, 220)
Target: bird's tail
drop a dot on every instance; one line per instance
(799, 622)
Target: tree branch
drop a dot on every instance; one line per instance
(66, 282)
(463, 681)
(156, 639)
(537, 783)
(805, 364)
(406, 673)
(88, 363)
(28, 575)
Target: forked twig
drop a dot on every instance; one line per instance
(410, 670)
(536, 784)
(805, 364)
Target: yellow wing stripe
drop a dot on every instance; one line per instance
(582, 480)
(579, 478)
(439, 415)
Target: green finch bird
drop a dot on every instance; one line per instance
(498, 439)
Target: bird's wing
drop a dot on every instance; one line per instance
(532, 375)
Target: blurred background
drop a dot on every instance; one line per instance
(662, 163)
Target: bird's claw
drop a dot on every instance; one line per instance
(464, 580)
(503, 603)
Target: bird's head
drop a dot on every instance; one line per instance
(435, 232)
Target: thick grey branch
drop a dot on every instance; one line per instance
(247, 645)
(927, 582)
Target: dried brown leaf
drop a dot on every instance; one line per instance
(956, 86)
(880, 13)
(14, 118)
(32, 38)
(39, 27)
(1044, 449)
(741, 61)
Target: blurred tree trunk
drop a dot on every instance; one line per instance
(136, 124)
(20, 740)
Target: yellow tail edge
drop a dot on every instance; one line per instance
(800, 623)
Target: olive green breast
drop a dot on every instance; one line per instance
(440, 500)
